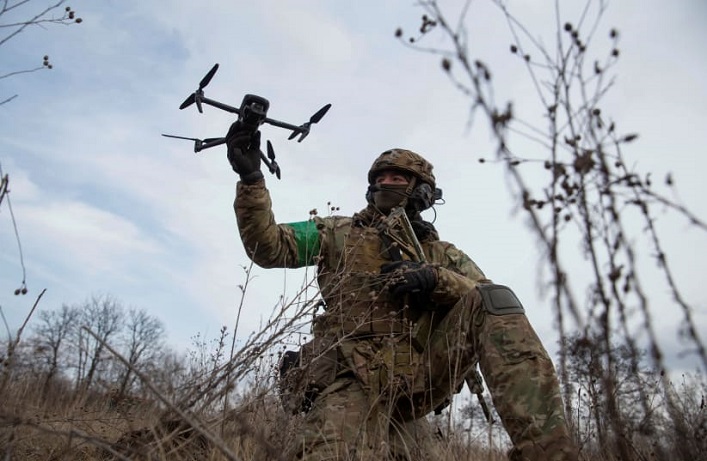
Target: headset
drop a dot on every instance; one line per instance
(423, 197)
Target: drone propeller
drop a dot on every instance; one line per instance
(180, 137)
(304, 128)
(199, 144)
(272, 164)
(319, 114)
(199, 93)
(188, 102)
(207, 78)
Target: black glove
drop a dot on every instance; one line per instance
(410, 277)
(244, 153)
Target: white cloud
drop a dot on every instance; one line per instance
(87, 237)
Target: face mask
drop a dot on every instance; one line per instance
(386, 197)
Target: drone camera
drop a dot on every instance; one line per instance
(254, 110)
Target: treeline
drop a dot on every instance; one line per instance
(96, 380)
(66, 349)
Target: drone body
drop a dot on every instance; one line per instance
(252, 113)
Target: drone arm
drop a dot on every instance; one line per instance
(280, 124)
(220, 105)
(209, 143)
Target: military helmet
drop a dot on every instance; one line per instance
(403, 160)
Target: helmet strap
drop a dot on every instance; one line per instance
(408, 191)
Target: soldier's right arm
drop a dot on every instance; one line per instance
(457, 273)
(267, 243)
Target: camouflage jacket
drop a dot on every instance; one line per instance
(348, 253)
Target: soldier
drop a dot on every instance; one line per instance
(408, 317)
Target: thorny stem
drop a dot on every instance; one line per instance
(243, 289)
(37, 19)
(592, 185)
(12, 344)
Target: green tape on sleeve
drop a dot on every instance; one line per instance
(307, 238)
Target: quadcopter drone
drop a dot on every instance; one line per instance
(252, 114)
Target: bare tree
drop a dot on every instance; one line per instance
(51, 335)
(168, 371)
(104, 316)
(143, 343)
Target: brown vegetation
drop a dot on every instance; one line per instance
(177, 410)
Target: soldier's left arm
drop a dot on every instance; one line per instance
(457, 273)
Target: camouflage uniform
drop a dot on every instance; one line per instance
(379, 363)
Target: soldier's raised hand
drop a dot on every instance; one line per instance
(244, 152)
(410, 277)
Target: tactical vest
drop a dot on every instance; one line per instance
(379, 338)
(357, 297)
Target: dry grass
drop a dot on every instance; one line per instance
(64, 426)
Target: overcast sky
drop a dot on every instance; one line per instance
(104, 204)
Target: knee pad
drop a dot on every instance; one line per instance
(499, 299)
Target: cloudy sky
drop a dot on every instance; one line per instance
(104, 204)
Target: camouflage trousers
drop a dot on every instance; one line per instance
(344, 424)
(376, 406)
